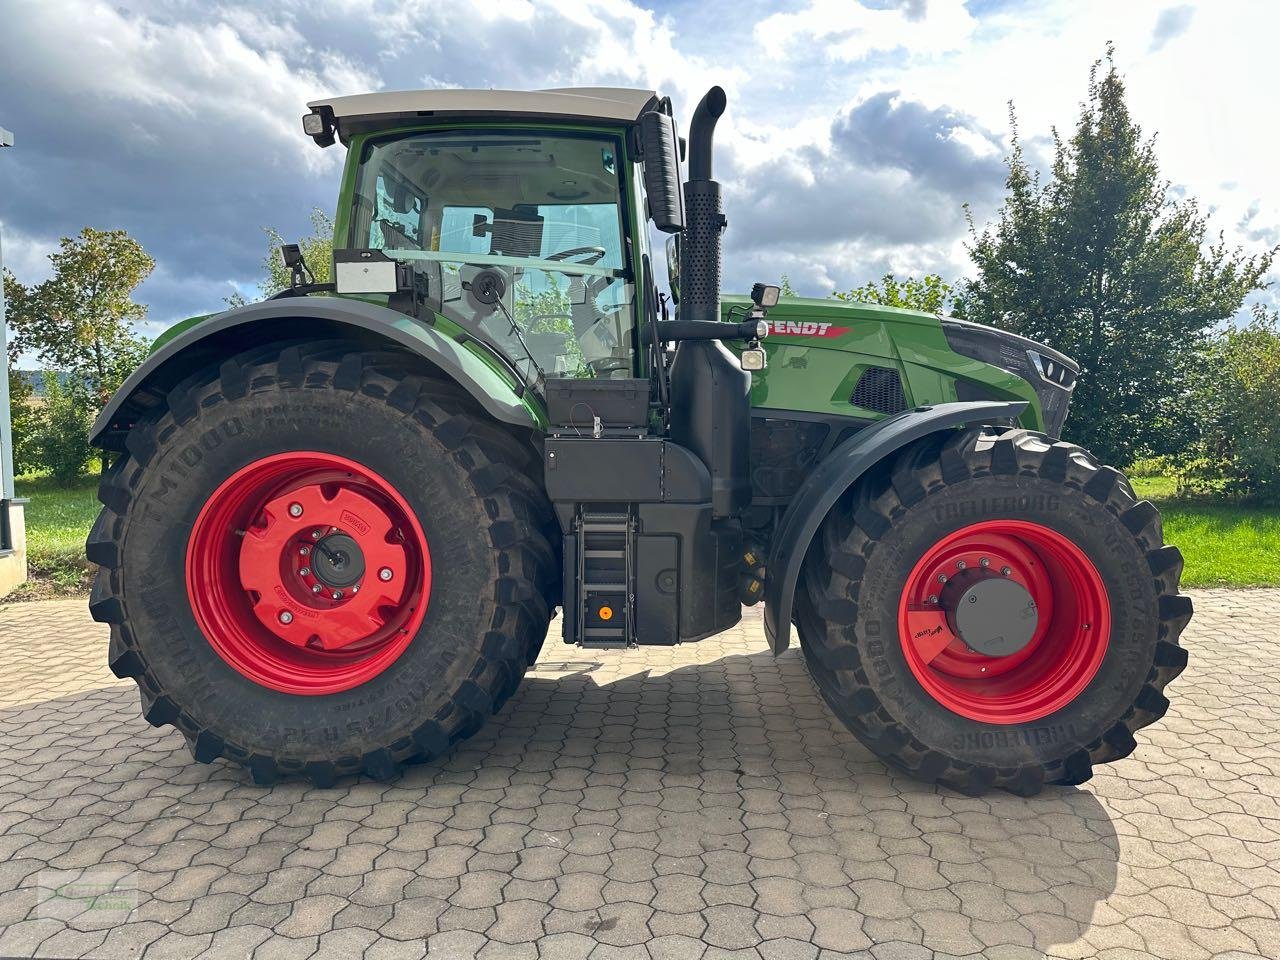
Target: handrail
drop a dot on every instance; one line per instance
(497, 260)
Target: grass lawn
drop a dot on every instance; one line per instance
(58, 520)
(1224, 544)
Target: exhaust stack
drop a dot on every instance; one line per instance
(700, 256)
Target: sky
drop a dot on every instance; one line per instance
(855, 135)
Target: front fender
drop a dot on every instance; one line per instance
(311, 318)
(839, 471)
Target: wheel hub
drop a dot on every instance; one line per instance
(338, 561)
(994, 615)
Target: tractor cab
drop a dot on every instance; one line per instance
(521, 217)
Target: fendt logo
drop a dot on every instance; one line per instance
(804, 328)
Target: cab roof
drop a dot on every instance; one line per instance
(380, 111)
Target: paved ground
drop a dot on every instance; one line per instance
(697, 802)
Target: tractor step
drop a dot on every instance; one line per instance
(603, 614)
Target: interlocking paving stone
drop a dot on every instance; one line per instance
(692, 802)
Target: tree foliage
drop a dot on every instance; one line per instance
(61, 438)
(24, 422)
(81, 320)
(317, 249)
(1106, 263)
(1235, 397)
(930, 294)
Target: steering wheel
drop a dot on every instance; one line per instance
(595, 253)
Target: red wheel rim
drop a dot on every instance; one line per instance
(308, 573)
(1072, 630)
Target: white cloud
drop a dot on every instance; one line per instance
(847, 31)
(854, 131)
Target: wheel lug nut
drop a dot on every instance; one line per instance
(356, 588)
(984, 562)
(1006, 571)
(337, 594)
(933, 598)
(385, 574)
(959, 564)
(942, 578)
(317, 588)
(304, 550)
(295, 509)
(315, 534)
(286, 616)
(305, 572)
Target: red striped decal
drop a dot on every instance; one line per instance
(804, 328)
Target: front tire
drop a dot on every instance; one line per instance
(430, 600)
(1082, 612)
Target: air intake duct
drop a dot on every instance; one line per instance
(704, 219)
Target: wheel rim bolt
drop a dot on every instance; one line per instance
(315, 534)
(286, 616)
(959, 564)
(305, 571)
(942, 578)
(337, 594)
(384, 574)
(295, 509)
(1006, 571)
(317, 588)
(933, 598)
(304, 550)
(356, 588)
(984, 562)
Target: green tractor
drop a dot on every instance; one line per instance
(338, 522)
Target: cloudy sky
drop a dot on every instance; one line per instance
(855, 131)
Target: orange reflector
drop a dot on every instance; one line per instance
(606, 613)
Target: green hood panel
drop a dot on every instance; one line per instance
(819, 349)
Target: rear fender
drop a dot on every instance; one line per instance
(310, 318)
(837, 473)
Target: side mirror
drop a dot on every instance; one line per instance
(662, 181)
(673, 267)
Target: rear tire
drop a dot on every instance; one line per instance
(853, 593)
(492, 571)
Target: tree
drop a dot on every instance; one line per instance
(1235, 397)
(929, 293)
(80, 321)
(317, 249)
(1104, 262)
(61, 439)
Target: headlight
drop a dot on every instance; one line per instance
(1051, 374)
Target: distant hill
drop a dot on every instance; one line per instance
(35, 378)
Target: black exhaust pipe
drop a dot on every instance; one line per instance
(700, 256)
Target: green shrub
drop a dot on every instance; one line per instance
(1237, 402)
(24, 417)
(61, 441)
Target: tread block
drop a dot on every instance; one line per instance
(234, 378)
(350, 373)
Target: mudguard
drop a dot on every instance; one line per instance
(839, 471)
(309, 318)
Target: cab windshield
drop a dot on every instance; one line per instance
(543, 213)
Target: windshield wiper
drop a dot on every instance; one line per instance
(489, 287)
